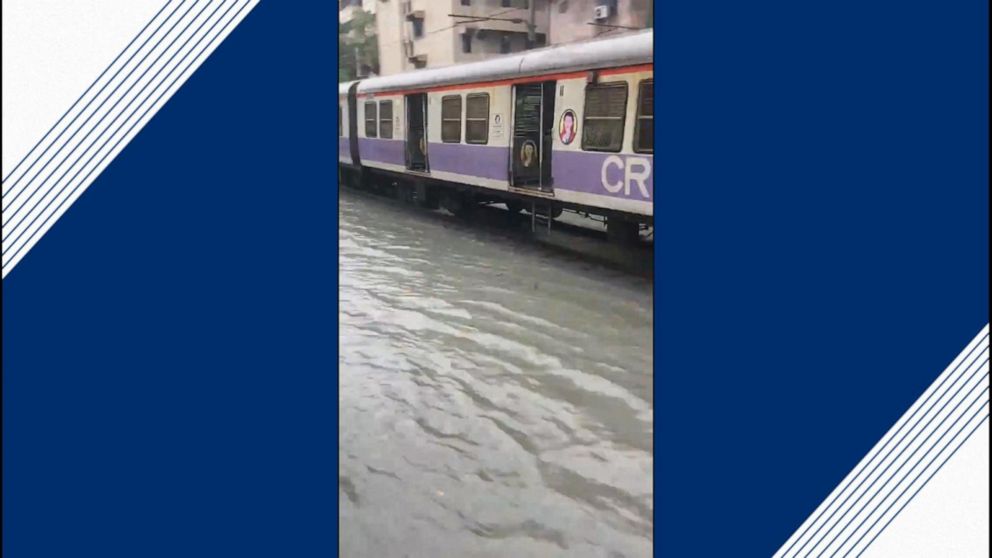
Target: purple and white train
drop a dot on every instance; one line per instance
(570, 126)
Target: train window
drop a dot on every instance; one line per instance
(386, 119)
(644, 129)
(477, 118)
(451, 119)
(370, 119)
(602, 121)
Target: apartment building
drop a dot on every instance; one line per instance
(430, 33)
(579, 20)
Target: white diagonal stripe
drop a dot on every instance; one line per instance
(905, 459)
(73, 154)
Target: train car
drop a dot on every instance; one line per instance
(569, 126)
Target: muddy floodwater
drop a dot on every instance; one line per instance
(495, 395)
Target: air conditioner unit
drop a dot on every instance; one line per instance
(601, 12)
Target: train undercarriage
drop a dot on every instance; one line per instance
(462, 200)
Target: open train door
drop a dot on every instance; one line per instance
(533, 126)
(416, 132)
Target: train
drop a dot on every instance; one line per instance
(567, 127)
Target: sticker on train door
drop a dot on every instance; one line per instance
(528, 154)
(497, 131)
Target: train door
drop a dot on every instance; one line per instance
(533, 126)
(416, 132)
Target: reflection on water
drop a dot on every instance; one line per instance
(496, 398)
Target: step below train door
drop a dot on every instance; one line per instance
(533, 126)
(416, 132)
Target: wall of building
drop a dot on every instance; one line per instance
(569, 19)
(488, 45)
(442, 37)
(389, 28)
(438, 45)
(559, 21)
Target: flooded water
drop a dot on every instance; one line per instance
(495, 396)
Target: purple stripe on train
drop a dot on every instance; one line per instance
(381, 150)
(344, 148)
(607, 174)
(482, 161)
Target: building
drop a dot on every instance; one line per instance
(430, 33)
(579, 20)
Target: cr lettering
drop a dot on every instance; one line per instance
(636, 171)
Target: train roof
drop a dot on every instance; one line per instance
(626, 50)
(343, 88)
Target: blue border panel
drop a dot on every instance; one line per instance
(170, 346)
(822, 213)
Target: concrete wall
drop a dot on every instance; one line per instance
(390, 30)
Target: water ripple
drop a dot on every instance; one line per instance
(496, 399)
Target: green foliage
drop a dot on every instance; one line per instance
(357, 47)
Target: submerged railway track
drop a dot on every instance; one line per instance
(570, 234)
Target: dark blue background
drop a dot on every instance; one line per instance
(823, 225)
(170, 346)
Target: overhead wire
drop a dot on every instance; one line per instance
(470, 19)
